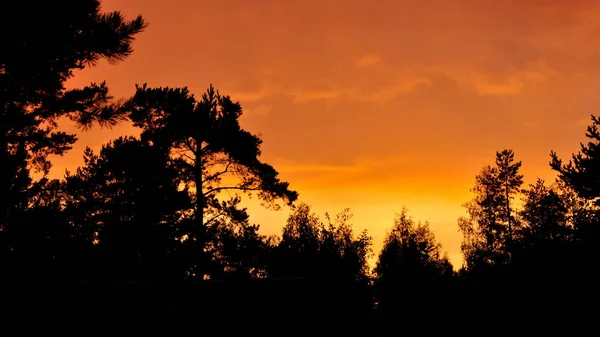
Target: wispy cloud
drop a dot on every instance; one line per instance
(302, 95)
(368, 91)
(506, 81)
(316, 168)
(513, 81)
(361, 164)
(384, 94)
(266, 90)
(259, 110)
(368, 60)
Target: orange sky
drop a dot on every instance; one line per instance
(375, 105)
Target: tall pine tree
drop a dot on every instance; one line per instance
(43, 43)
(213, 153)
(491, 227)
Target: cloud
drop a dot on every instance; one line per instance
(301, 95)
(513, 82)
(259, 110)
(368, 61)
(395, 84)
(314, 92)
(384, 94)
(316, 168)
(267, 90)
(360, 165)
(500, 81)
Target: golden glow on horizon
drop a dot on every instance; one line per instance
(376, 105)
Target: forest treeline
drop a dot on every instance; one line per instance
(164, 209)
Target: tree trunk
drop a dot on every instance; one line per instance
(510, 234)
(199, 228)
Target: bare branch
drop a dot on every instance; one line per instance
(214, 218)
(223, 188)
(212, 177)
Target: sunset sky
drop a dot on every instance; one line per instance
(376, 105)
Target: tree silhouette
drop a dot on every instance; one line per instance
(311, 249)
(153, 227)
(42, 44)
(329, 262)
(412, 274)
(581, 172)
(127, 201)
(33, 72)
(490, 228)
(545, 213)
(213, 153)
(541, 258)
(43, 243)
(237, 248)
(581, 176)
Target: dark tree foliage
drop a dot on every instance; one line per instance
(542, 255)
(582, 171)
(492, 225)
(547, 258)
(42, 44)
(238, 250)
(213, 154)
(152, 229)
(491, 237)
(413, 277)
(127, 202)
(545, 214)
(581, 175)
(330, 258)
(43, 245)
(309, 248)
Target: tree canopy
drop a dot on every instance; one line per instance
(492, 225)
(49, 41)
(154, 229)
(412, 271)
(211, 151)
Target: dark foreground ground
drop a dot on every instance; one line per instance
(277, 308)
(265, 307)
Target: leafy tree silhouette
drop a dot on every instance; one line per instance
(544, 256)
(490, 228)
(42, 44)
(330, 261)
(164, 211)
(212, 152)
(43, 243)
(308, 248)
(533, 259)
(491, 232)
(412, 274)
(581, 172)
(238, 250)
(127, 201)
(581, 175)
(546, 214)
